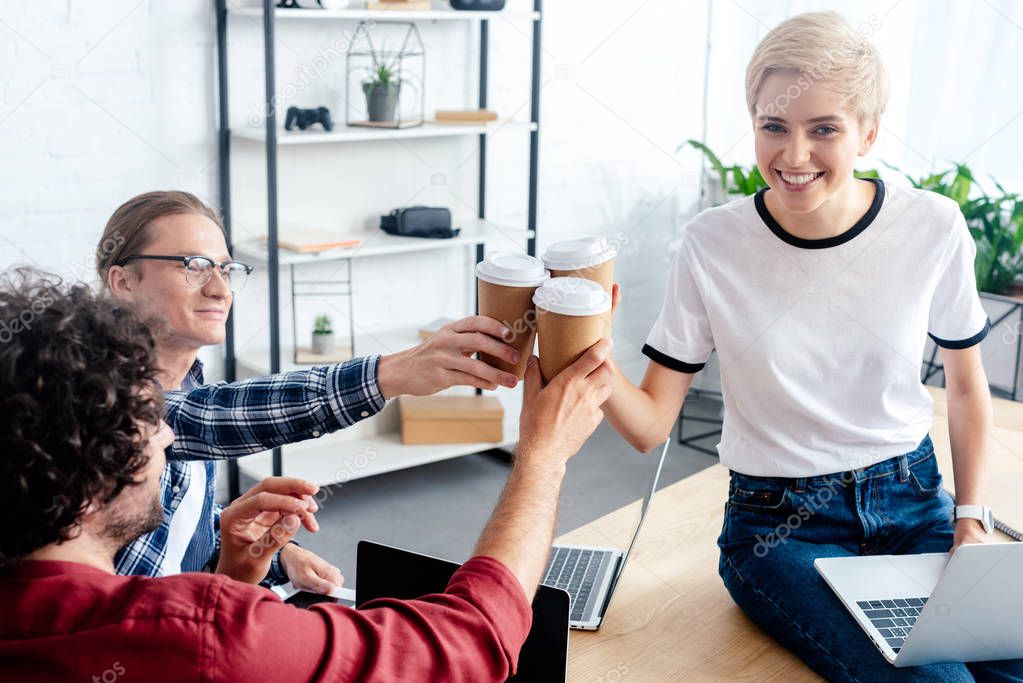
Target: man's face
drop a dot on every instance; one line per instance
(139, 509)
(196, 315)
(807, 144)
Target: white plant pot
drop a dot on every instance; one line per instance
(323, 343)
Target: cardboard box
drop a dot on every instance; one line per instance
(450, 419)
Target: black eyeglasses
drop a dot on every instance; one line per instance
(199, 269)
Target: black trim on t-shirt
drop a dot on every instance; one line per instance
(804, 243)
(963, 343)
(669, 362)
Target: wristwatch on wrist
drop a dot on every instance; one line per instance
(978, 512)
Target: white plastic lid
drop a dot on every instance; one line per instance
(572, 296)
(585, 252)
(512, 269)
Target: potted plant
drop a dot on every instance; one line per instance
(323, 336)
(391, 80)
(382, 88)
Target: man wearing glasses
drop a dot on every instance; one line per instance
(166, 253)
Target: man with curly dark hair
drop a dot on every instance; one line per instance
(109, 432)
(81, 434)
(81, 453)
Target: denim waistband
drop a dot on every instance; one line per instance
(897, 464)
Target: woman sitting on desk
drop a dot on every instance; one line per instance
(818, 295)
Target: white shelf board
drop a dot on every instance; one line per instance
(383, 15)
(334, 458)
(342, 133)
(475, 231)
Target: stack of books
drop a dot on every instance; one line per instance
(313, 241)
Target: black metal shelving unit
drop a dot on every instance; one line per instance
(273, 253)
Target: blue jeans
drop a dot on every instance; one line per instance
(774, 528)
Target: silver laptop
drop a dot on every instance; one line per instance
(924, 609)
(590, 575)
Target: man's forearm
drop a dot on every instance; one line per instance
(390, 374)
(521, 529)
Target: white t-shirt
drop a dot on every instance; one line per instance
(820, 342)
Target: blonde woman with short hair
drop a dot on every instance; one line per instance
(819, 294)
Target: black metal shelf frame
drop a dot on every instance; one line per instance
(273, 253)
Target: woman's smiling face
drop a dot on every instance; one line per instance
(807, 145)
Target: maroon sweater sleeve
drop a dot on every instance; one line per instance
(471, 632)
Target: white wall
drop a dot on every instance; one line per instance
(100, 101)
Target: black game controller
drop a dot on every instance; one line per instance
(304, 118)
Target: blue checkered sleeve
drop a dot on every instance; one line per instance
(276, 576)
(231, 420)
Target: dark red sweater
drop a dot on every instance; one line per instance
(62, 621)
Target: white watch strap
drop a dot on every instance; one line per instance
(970, 511)
(978, 512)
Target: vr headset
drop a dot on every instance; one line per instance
(419, 221)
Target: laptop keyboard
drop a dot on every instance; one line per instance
(893, 618)
(574, 570)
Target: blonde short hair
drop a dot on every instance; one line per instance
(822, 46)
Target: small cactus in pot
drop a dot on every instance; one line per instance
(323, 336)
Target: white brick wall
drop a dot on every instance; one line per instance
(87, 119)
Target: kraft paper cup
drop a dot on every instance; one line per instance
(590, 258)
(572, 314)
(506, 282)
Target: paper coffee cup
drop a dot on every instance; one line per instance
(572, 314)
(506, 282)
(591, 258)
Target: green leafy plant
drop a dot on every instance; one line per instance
(384, 72)
(735, 180)
(995, 222)
(322, 325)
(381, 75)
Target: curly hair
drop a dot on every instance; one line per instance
(77, 385)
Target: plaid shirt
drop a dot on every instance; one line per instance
(216, 421)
